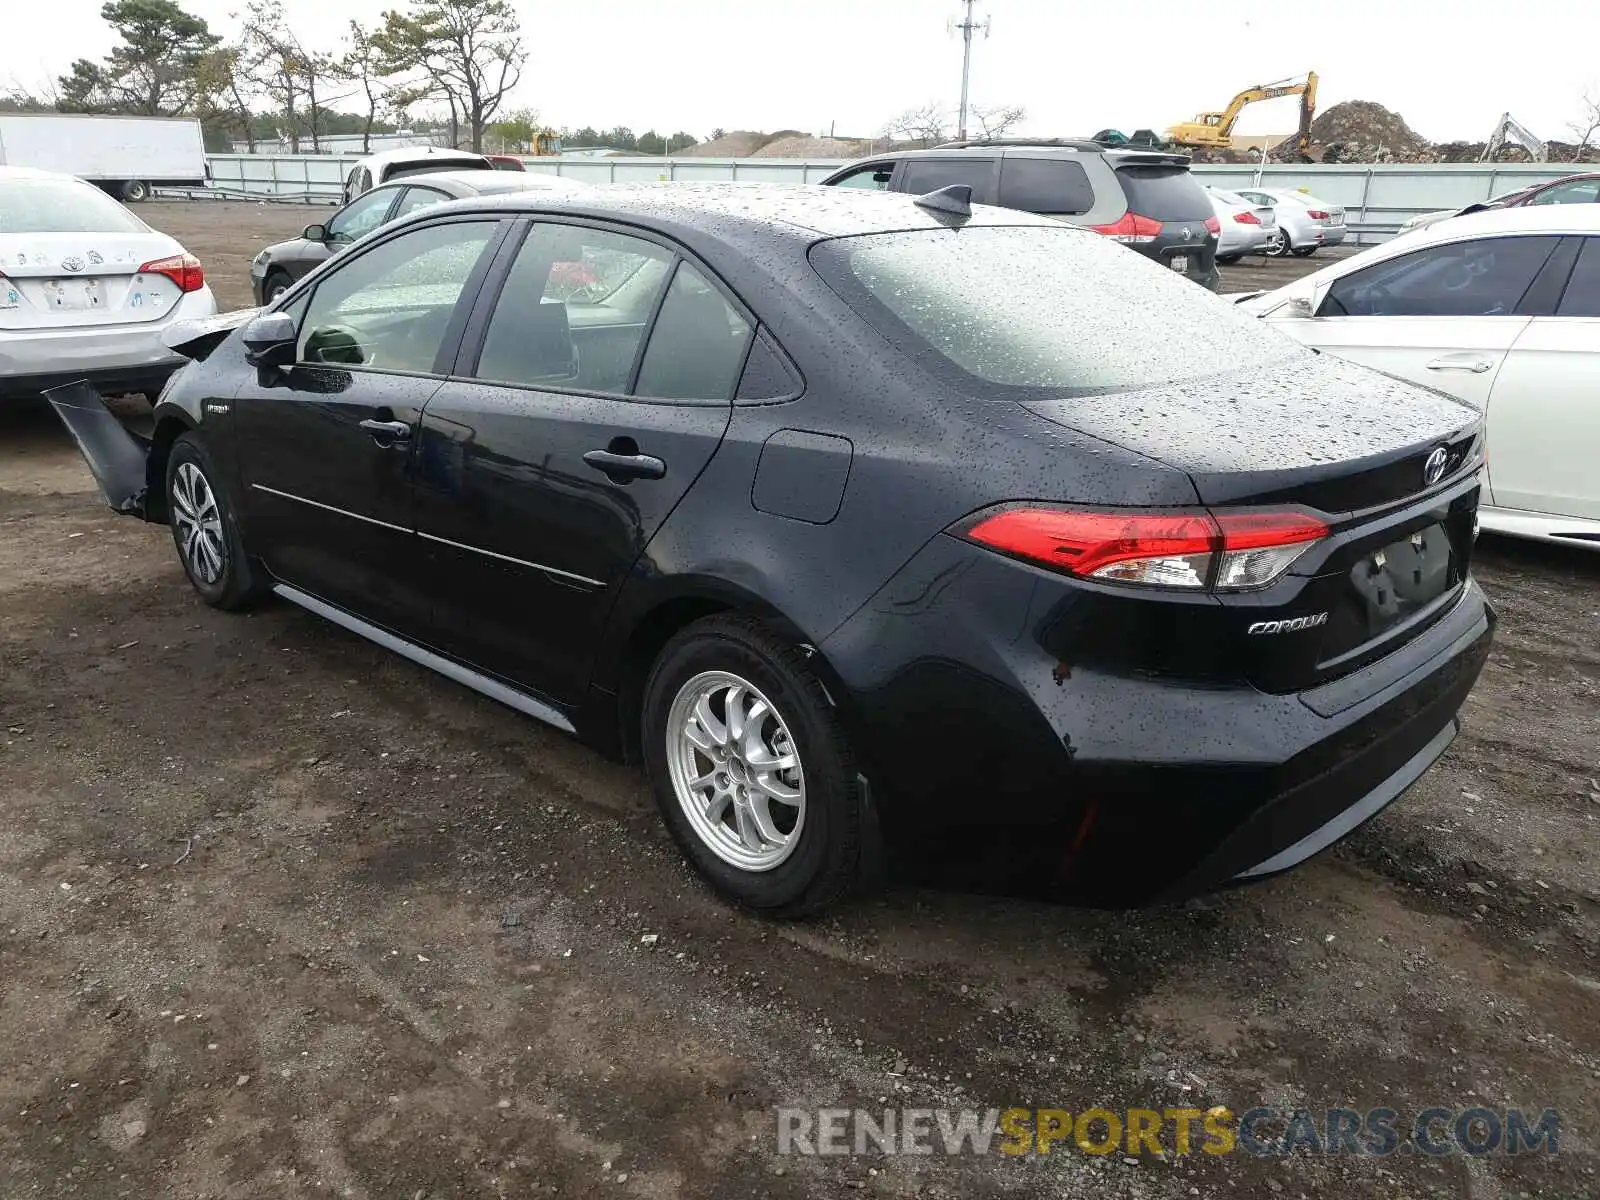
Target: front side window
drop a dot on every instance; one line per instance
(390, 308)
(360, 217)
(1042, 310)
(875, 177)
(1482, 278)
(574, 309)
(697, 344)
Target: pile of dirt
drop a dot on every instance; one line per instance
(741, 143)
(805, 146)
(1365, 132)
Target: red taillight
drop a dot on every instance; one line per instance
(1196, 550)
(1317, 214)
(183, 269)
(1213, 225)
(1247, 218)
(1131, 228)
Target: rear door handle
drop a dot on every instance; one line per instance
(387, 431)
(1461, 362)
(622, 467)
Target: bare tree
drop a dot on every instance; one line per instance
(1587, 124)
(471, 51)
(362, 65)
(993, 122)
(274, 59)
(928, 124)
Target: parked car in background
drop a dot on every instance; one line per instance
(778, 492)
(1502, 310)
(507, 162)
(378, 169)
(280, 265)
(1575, 189)
(1146, 200)
(1246, 228)
(87, 289)
(1305, 224)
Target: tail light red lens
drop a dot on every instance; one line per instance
(1317, 214)
(1194, 550)
(1213, 225)
(1247, 218)
(183, 269)
(1131, 228)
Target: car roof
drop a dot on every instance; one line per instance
(484, 183)
(749, 212)
(412, 153)
(1527, 218)
(35, 173)
(1042, 148)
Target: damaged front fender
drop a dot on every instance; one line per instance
(114, 453)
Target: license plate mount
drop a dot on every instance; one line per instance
(74, 295)
(1179, 262)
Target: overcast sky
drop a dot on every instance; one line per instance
(1449, 69)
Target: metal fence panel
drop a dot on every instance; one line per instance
(1378, 198)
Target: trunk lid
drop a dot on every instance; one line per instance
(1391, 468)
(69, 280)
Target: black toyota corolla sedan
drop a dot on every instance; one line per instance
(868, 524)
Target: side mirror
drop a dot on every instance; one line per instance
(315, 233)
(1299, 308)
(269, 339)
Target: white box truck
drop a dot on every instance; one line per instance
(127, 156)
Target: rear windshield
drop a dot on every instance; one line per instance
(426, 166)
(61, 206)
(1164, 193)
(1025, 311)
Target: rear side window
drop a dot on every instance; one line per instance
(1045, 185)
(923, 175)
(1021, 312)
(1164, 193)
(767, 374)
(1482, 278)
(697, 344)
(1582, 297)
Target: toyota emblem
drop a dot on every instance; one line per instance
(1433, 468)
(72, 263)
(1185, 233)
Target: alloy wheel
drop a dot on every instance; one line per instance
(736, 771)
(198, 521)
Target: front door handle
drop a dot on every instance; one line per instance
(385, 432)
(1461, 362)
(622, 467)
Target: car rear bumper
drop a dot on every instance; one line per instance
(112, 358)
(1001, 768)
(1333, 235)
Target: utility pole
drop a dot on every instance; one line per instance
(967, 26)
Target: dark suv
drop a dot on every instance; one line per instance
(1144, 199)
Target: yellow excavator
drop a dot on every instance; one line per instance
(1214, 130)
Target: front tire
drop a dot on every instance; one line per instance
(275, 285)
(751, 769)
(205, 531)
(1278, 245)
(135, 190)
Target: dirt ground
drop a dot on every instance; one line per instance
(284, 915)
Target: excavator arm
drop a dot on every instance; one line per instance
(1215, 130)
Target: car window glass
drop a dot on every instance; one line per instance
(1579, 191)
(697, 343)
(767, 374)
(360, 217)
(923, 175)
(1582, 297)
(573, 310)
(390, 307)
(875, 177)
(416, 199)
(1482, 278)
(1164, 193)
(1045, 185)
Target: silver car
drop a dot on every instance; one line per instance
(1306, 224)
(87, 289)
(1246, 227)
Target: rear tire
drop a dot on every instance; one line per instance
(135, 190)
(205, 531)
(727, 700)
(1304, 251)
(1278, 245)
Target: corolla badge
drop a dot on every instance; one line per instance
(72, 263)
(1433, 467)
(1290, 625)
